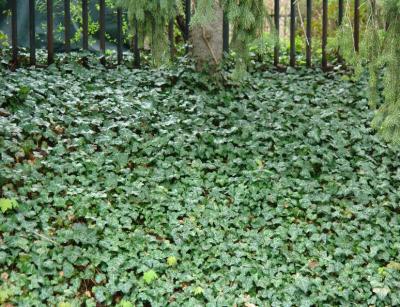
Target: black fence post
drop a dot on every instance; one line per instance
(67, 25)
(136, 50)
(14, 32)
(225, 34)
(340, 12)
(171, 38)
(340, 21)
(277, 10)
(324, 33)
(119, 35)
(309, 34)
(50, 43)
(102, 22)
(293, 33)
(32, 41)
(85, 25)
(187, 23)
(357, 25)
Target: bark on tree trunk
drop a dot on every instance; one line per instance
(207, 41)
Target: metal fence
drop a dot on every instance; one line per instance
(119, 16)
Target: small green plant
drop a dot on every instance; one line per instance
(172, 261)
(125, 303)
(198, 291)
(7, 204)
(3, 40)
(5, 295)
(150, 276)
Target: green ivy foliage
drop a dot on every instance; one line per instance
(275, 193)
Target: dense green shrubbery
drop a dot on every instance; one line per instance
(159, 187)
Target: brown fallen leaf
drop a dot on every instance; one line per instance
(312, 264)
(59, 129)
(393, 265)
(4, 112)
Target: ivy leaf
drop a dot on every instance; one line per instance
(303, 283)
(125, 303)
(172, 261)
(198, 291)
(4, 295)
(23, 91)
(68, 270)
(381, 292)
(7, 204)
(150, 276)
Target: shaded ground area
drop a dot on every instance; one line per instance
(274, 194)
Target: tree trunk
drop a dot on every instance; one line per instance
(207, 42)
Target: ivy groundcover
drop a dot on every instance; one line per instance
(149, 187)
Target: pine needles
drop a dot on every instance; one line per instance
(379, 52)
(247, 19)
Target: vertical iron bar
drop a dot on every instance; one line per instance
(32, 41)
(171, 38)
(85, 25)
(187, 22)
(119, 35)
(136, 50)
(277, 10)
(293, 33)
(340, 13)
(324, 33)
(102, 21)
(225, 34)
(309, 33)
(67, 25)
(14, 34)
(356, 25)
(50, 43)
(340, 21)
